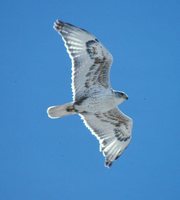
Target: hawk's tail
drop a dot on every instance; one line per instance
(55, 112)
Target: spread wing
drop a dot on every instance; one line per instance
(112, 129)
(90, 60)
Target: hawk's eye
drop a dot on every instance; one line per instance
(121, 94)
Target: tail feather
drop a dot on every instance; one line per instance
(59, 111)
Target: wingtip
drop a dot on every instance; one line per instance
(108, 163)
(58, 25)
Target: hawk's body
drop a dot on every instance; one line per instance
(93, 98)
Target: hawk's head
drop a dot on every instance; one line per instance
(120, 96)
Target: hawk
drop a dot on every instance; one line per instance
(93, 98)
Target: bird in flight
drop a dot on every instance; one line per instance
(93, 98)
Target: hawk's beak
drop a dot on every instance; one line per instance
(126, 96)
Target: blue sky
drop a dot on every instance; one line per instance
(59, 159)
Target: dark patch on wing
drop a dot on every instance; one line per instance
(80, 100)
(104, 142)
(58, 25)
(98, 115)
(84, 113)
(92, 67)
(77, 62)
(88, 74)
(99, 71)
(104, 120)
(116, 121)
(99, 60)
(91, 50)
(117, 156)
(108, 163)
(87, 84)
(120, 135)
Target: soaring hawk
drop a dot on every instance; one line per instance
(93, 98)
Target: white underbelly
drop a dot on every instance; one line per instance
(97, 104)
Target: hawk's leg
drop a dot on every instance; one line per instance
(71, 109)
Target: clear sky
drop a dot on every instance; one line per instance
(44, 159)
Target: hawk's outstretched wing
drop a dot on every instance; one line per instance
(90, 60)
(112, 129)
